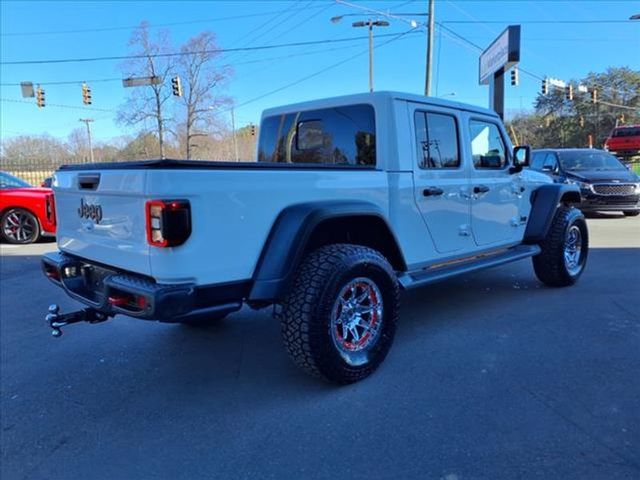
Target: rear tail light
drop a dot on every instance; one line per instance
(168, 222)
(51, 272)
(50, 208)
(127, 301)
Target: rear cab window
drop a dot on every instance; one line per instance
(330, 136)
(437, 140)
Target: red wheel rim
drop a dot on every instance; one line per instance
(356, 317)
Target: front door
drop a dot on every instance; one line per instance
(441, 182)
(495, 191)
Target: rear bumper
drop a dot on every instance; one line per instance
(112, 291)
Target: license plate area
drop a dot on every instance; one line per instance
(86, 281)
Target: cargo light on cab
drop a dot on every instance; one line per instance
(168, 222)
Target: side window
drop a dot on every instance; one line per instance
(487, 146)
(550, 163)
(537, 160)
(437, 140)
(334, 136)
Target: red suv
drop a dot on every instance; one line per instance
(624, 141)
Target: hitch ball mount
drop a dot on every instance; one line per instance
(56, 320)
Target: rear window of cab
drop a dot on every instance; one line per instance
(330, 136)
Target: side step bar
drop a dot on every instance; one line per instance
(434, 274)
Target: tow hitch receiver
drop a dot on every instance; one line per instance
(57, 320)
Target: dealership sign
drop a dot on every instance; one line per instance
(501, 55)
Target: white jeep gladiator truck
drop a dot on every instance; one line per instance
(350, 200)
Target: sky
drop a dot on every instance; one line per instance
(560, 39)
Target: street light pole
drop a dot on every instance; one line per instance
(88, 121)
(370, 23)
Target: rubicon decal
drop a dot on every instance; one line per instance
(90, 211)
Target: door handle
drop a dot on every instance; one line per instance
(432, 192)
(481, 189)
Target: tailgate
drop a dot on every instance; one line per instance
(101, 217)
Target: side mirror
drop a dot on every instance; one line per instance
(521, 156)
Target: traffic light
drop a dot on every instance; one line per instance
(86, 94)
(594, 96)
(252, 130)
(40, 97)
(514, 77)
(176, 86)
(545, 86)
(569, 92)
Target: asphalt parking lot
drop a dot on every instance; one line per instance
(491, 376)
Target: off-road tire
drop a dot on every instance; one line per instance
(550, 266)
(305, 314)
(25, 216)
(631, 213)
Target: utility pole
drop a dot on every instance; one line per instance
(233, 128)
(370, 55)
(88, 121)
(427, 83)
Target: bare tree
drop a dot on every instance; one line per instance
(145, 103)
(78, 145)
(201, 79)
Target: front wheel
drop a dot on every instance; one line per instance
(631, 213)
(20, 226)
(564, 249)
(339, 319)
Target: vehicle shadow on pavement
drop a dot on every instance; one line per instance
(492, 349)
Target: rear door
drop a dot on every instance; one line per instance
(441, 182)
(101, 216)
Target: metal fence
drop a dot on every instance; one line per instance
(34, 170)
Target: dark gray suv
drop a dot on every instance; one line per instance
(605, 183)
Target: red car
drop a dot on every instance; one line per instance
(26, 212)
(624, 141)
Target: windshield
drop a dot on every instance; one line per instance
(9, 181)
(626, 132)
(589, 160)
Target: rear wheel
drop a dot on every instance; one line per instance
(20, 226)
(564, 250)
(631, 213)
(339, 319)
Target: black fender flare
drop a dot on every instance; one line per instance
(544, 203)
(288, 239)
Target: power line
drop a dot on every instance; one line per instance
(521, 22)
(68, 82)
(234, 64)
(252, 35)
(272, 26)
(59, 105)
(397, 36)
(158, 25)
(618, 106)
(513, 22)
(199, 52)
